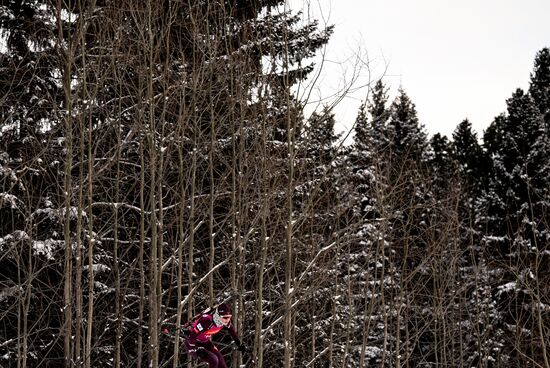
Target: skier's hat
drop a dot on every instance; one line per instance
(224, 309)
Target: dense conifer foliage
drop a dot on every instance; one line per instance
(540, 80)
(154, 161)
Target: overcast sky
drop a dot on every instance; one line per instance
(455, 59)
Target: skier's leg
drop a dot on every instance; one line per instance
(210, 358)
(203, 353)
(221, 360)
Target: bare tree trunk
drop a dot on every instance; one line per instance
(89, 321)
(263, 190)
(68, 268)
(234, 211)
(23, 300)
(155, 270)
(79, 251)
(91, 243)
(141, 255)
(289, 251)
(211, 234)
(183, 179)
(67, 191)
(118, 296)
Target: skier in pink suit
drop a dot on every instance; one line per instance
(198, 343)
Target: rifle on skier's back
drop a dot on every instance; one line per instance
(172, 330)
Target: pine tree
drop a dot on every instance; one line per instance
(320, 137)
(371, 121)
(32, 103)
(539, 88)
(469, 155)
(408, 140)
(442, 163)
(513, 213)
(396, 222)
(518, 145)
(365, 252)
(377, 104)
(362, 129)
(162, 112)
(370, 143)
(33, 95)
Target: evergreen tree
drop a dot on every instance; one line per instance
(371, 121)
(493, 135)
(322, 205)
(362, 129)
(32, 95)
(512, 215)
(408, 140)
(469, 155)
(370, 144)
(442, 163)
(539, 88)
(31, 236)
(397, 225)
(365, 254)
(518, 145)
(137, 127)
(377, 104)
(320, 137)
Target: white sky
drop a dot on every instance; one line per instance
(455, 59)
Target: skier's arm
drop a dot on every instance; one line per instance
(234, 334)
(241, 346)
(199, 327)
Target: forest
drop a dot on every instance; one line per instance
(155, 160)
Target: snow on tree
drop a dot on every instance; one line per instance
(512, 214)
(539, 87)
(153, 160)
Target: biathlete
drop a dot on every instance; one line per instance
(198, 338)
